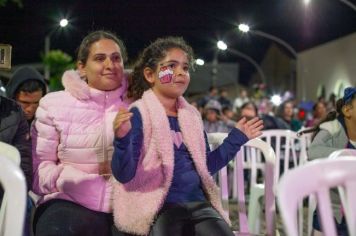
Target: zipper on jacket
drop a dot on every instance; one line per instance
(105, 157)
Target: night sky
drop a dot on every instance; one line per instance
(201, 23)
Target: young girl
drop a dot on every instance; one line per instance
(337, 131)
(162, 159)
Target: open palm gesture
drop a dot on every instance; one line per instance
(251, 128)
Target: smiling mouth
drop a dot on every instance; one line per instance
(179, 82)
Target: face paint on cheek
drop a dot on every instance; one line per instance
(165, 75)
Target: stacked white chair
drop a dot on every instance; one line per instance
(215, 139)
(317, 178)
(12, 211)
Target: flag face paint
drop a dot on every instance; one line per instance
(165, 75)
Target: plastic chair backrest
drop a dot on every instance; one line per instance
(11, 153)
(318, 177)
(13, 181)
(336, 155)
(343, 152)
(287, 146)
(215, 139)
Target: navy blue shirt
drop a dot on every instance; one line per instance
(186, 184)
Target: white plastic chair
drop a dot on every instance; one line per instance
(318, 177)
(312, 200)
(10, 152)
(289, 148)
(12, 212)
(215, 139)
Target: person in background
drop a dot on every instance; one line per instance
(240, 100)
(27, 87)
(319, 113)
(72, 142)
(228, 113)
(14, 130)
(162, 158)
(337, 131)
(286, 114)
(248, 110)
(214, 120)
(224, 98)
(213, 95)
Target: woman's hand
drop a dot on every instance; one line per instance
(122, 123)
(251, 128)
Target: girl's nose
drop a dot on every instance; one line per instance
(180, 71)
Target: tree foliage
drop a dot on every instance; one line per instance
(17, 2)
(58, 62)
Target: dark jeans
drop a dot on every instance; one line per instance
(188, 219)
(341, 229)
(61, 217)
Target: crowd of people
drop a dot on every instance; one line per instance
(219, 113)
(127, 154)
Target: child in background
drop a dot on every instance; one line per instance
(337, 131)
(162, 158)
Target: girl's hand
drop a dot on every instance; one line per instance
(251, 128)
(122, 123)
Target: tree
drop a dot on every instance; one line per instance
(58, 62)
(17, 2)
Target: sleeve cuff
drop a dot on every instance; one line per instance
(239, 136)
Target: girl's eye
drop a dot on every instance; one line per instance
(186, 68)
(172, 66)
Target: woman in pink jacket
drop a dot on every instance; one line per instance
(73, 142)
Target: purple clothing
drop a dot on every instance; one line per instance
(186, 184)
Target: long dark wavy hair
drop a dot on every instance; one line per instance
(150, 57)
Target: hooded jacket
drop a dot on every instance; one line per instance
(20, 76)
(14, 131)
(72, 140)
(331, 137)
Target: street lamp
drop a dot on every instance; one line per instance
(62, 23)
(350, 4)
(346, 2)
(245, 29)
(199, 62)
(222, 46)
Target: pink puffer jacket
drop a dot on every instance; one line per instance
(72, 140)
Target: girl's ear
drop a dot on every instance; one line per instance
(81, 69)
(149, 75)
(346, 110)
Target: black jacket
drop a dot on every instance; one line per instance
(14, 130)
